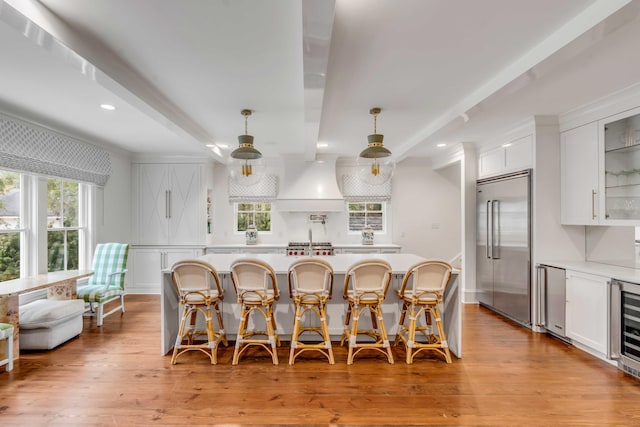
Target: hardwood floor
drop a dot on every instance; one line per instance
(115, 375)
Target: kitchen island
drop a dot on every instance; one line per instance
(336, 308)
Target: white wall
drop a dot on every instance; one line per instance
(113, 204)
(427, 209)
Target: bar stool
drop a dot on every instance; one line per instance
(310, 287)
(369, 281)
(198, 287)
(422, 291)
(6, 333)
(257, 290)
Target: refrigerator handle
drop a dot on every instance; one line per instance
(495, 225)
(489, 232)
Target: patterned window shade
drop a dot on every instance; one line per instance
(30, 148)
(264, 190)
(356, 190)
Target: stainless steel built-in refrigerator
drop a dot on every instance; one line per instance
(503, 252)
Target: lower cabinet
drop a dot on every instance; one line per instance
(147, 263)
(586, 315)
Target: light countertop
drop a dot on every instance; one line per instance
(598, 268)
(400, 263)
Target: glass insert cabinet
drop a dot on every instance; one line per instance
(621, 136)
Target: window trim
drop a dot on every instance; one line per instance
(384, 218)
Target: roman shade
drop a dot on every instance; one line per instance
(27, 147)
(264, 191)
(356, 190)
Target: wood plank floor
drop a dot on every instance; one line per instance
(114, 375)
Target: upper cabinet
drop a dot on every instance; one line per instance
(510, 157)
(170, 204)
(579, 177)
(601, 171)
(621, 146)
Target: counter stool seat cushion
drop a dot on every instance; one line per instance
(45, 324)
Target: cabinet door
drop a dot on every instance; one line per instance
(579, 175)
(146, 266)
(491, 163)
(186, 216)
(517, 154)
(587, 310)
(153, 207)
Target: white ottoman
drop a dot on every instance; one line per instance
(45, 323)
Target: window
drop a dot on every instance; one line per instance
(11, 228)
(63, 224)
(366, 214)
(258, 214)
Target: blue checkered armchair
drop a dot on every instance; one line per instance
(107, 282)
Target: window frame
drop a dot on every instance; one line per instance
(383, 210)
(81, 228)
(235, 217)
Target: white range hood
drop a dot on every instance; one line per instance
(310, 186)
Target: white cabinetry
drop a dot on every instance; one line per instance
(170, 204)
(510, 157)
(579, 177)
(601, 171)
(586, 314)
(619, 137)
(148, 262)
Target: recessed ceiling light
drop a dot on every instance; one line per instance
(322, 145)
(211, 145)
(442, 144)
(107, 107)
(508, 144)
(223, 145)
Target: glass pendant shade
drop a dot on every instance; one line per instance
(375, 171)
(246, 171)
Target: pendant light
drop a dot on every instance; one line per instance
(378, 171)
(245, 150)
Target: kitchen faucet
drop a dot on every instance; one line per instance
(310, 240)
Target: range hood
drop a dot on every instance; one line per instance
(310, 186)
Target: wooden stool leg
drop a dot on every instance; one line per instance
(294, 334)
(403, 315)
(221, 331)
(270, 333)
(180, 336)
(354, 333)
(347, 321)
(443, 338)
(325, 332)
(411, 335)
(211, 336)
(383, 333)
(240, 336)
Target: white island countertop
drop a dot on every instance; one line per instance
(400, 263)
(612, 270)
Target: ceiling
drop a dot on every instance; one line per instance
(180, 72)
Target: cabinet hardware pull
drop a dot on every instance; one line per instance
(593, 204)
(169, 203)
(166, 203)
